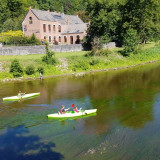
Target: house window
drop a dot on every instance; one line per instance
(49, 28)
(59, 38)
(44, 27)
(50, 39)
(54, 37)
(25, 27)
(30, 20)
(54, 28)
(65, 39)
(45, 38)
(59, 28)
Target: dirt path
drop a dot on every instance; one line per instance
(63, 64)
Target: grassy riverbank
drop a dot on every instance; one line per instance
(74, 62)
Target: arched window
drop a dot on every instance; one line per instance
(59, 38)
(54, 28)
(50, 39)
(30, 20)
(49, 28)
(44, 27)
(59, 28)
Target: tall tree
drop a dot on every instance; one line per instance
(104, 19)
(142, 15)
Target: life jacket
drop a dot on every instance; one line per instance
(62, 110)
(76, 110)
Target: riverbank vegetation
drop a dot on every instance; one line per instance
(75, 62)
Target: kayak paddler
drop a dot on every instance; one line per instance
(75, 109)
(20, 94)
(62, 110)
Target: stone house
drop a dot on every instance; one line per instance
(56, 28)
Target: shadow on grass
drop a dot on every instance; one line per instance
(15, 145)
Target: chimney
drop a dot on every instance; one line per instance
(67, 21)
(30, 7)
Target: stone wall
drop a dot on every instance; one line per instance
(110, 45)
(24, 50)
(67, 48)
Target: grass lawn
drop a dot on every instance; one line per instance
(73, 62)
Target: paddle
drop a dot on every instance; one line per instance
(72, 105)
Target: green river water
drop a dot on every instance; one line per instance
(126, 127)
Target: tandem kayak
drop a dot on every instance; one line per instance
(70, 114)
(13, 98)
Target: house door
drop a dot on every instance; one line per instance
(71, 39)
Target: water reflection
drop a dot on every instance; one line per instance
(128, 113)
(16, 145)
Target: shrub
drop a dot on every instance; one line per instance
(93, 52)
(40, 70)
(96, 52)
(105, 52)
(48, 59)
(16, 69)
(93, 62)
(96, 43)
(30, 70)
(33, 40)
(130, 42)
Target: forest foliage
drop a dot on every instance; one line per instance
(110, 20)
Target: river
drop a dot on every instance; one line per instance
(126, 126)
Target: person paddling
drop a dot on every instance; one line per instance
(20, 94)
(75, 109)
(62, 110)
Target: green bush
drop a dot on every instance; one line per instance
(40, 70)
(48, 59)
(96, 52)
(33, 40)
(93, 62)
(16, 69)
(93, 52)
(105, 52)
(130, 42)
(17, 74)
(30, 70)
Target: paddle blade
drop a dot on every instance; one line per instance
(72, 105)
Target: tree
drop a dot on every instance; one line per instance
(104, 18)
(130, 41)
(4, 13)
(33, 40)
(143, 16)
(8, 25)
(16, 68)
(48, 59)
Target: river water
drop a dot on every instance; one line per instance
(126, 127)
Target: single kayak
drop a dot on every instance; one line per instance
(70, 114)
(13, 98)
